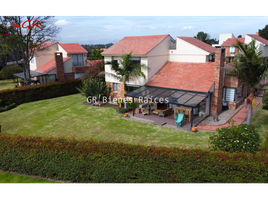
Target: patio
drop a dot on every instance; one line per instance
(166, 121)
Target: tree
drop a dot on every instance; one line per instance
(249, 67)
(240, 36)
(204, 37)
(264, 32)
(96, 68)
(125, 70)
(21, 36)
(96, 55)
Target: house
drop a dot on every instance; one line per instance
(153, 51)
(222, 38)
(230, 50)
(62, 61)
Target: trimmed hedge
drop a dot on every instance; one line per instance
(39, 92)
(102, 162)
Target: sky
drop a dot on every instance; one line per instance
(106, 29)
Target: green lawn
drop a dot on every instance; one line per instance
(266, 87)
(7, 84)
(260, 120)
(11, 178)
(68, 117)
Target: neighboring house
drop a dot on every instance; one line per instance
(222, 38)
(230, 50)
(261, 43)
(62, 61)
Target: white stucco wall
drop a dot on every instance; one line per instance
(43, 56)
(259, 45)
(68, 66)
(64, 53)
(186, 52)
(154, 59)
(224, 36)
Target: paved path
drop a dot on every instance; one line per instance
(239, 118)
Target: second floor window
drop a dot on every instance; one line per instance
(32, 61)
(78, 59)
(232, 50)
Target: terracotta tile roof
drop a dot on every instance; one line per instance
(186, 76)
(139, 45)
(73, 48)
(93, 62)
(199, 44)
(50, 65)
(232, 41)
(259, 38)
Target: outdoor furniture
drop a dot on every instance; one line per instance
(153, 106)
(145, 111)
(165, 112)
(155, 111)
(179, 118)
(182, 109)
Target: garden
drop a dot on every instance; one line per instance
(65, 138)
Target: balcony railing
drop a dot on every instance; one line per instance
(78, 63)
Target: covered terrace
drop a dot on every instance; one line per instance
(195, 102)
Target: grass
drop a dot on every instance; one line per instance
(266, 87)
(12, 178)
(7, 84)
(67, 117)
(260, 120)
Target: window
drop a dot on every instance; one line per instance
(77, 75)
(115, 86)
(135, 60)
(233, 94)
(32, 61)
(228, 94)
(115, 59)
(52, 77)
(232, 50)
(77, 59)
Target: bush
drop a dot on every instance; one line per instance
(2, 109)
(112, 162)
(8, 71)
(236, 138)
(265, 101)
(122, 110)
(94, 89)
(39, 92)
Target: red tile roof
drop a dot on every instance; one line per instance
(139, 45)
(259, 38)
(232, 41)
(50, 65)
(73, 48)
(186, 76)
(93, 62)
(199, 44)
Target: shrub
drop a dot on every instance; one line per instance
(122, 110)
(8, 71)
(111, 162)
(94, 89)
(2, 109)
(236, 138)
(265, 101)
(136, 104)
(39, 92)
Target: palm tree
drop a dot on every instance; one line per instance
(125, 70)
(249, 67)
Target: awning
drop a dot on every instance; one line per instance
(169, 95)
(32, 73)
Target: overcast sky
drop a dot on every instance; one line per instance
(106, 29)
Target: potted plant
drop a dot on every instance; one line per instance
(194, 129)
(125, 114)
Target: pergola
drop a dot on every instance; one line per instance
(178, 97)
(32, 73)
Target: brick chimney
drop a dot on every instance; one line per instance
(217, 95)
(59, 67)
(257, 33)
